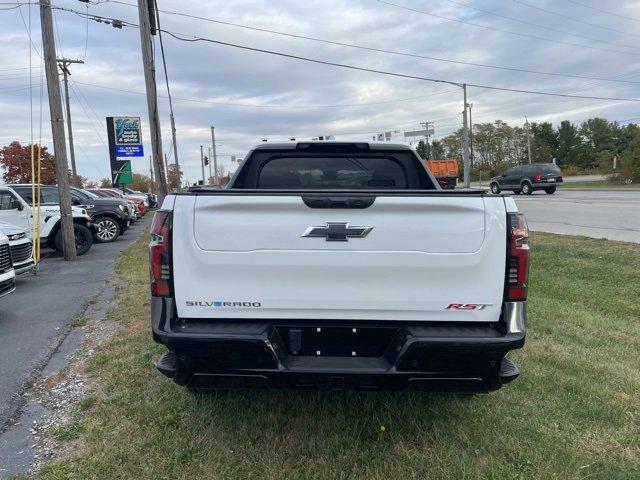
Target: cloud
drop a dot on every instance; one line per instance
(284, 97)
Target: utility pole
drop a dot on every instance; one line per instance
(465, 140)
(215, 156)
(64, 63)
(57, 131)
(175, 147)
(526, 127)
(166, 167)
(151, 167)
(152, 99)
(470, 135)
(202, 162)
(210, 174)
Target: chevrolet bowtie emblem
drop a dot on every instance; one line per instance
(337, 232)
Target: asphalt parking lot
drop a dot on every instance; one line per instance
(36, 316)
(610, 214)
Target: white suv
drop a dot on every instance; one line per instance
(16, 209)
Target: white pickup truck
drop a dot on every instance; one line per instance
(339, 266)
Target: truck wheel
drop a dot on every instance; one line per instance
(84, 239)
(107, 230)
(550, 190)
(526, 188)
(495, 188)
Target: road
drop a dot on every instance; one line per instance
(611, 214)
(35, 317)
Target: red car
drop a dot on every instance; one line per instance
(107, 192)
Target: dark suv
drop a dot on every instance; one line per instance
(528, 178)
(109, 214)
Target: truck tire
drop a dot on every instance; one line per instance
(527, 189)
(550, 190)
(107, 229)
(84, 239)
(495, 188)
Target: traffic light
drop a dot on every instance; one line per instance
(206, 161)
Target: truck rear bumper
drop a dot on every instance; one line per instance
(226, 354)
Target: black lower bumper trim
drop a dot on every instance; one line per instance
(334, 355)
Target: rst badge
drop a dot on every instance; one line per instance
(467, 306)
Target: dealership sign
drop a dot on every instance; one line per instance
(125, 141)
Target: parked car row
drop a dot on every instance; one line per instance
(99, 216)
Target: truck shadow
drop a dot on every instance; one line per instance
(340, 416)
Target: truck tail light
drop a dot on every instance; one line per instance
(538, 178)
(160, 254)
(517, 257)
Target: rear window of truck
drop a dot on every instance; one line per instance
(332, 173)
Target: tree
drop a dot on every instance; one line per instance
(452, 145)
(498, 146)
(544, 144)
(15, 159)
(570, 144)
(77, 180)
(437, 150)
(173, 177)
(424, 149)
(142, 183)
(105, 183)
(630, 159)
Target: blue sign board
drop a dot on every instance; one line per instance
(129, 151)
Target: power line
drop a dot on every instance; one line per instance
(510, 32)
(17, 68)
(608, 12)
(392, 74)
(174, 144)
(27, 29)
(538, 25)
(285, 106)
(194, 39)
(80, 95)
(15, 6)
(573, 19)
(372, 49)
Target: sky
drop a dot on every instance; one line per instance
(250, 95)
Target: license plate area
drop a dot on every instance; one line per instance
(336, 341)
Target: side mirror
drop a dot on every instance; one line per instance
(19, 206)
(75, 201)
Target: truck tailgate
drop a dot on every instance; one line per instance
(425, 258)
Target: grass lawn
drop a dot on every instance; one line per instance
(600, 184)
(574, 413)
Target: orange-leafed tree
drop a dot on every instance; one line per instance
(15, 160)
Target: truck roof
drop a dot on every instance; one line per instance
(356, 145)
